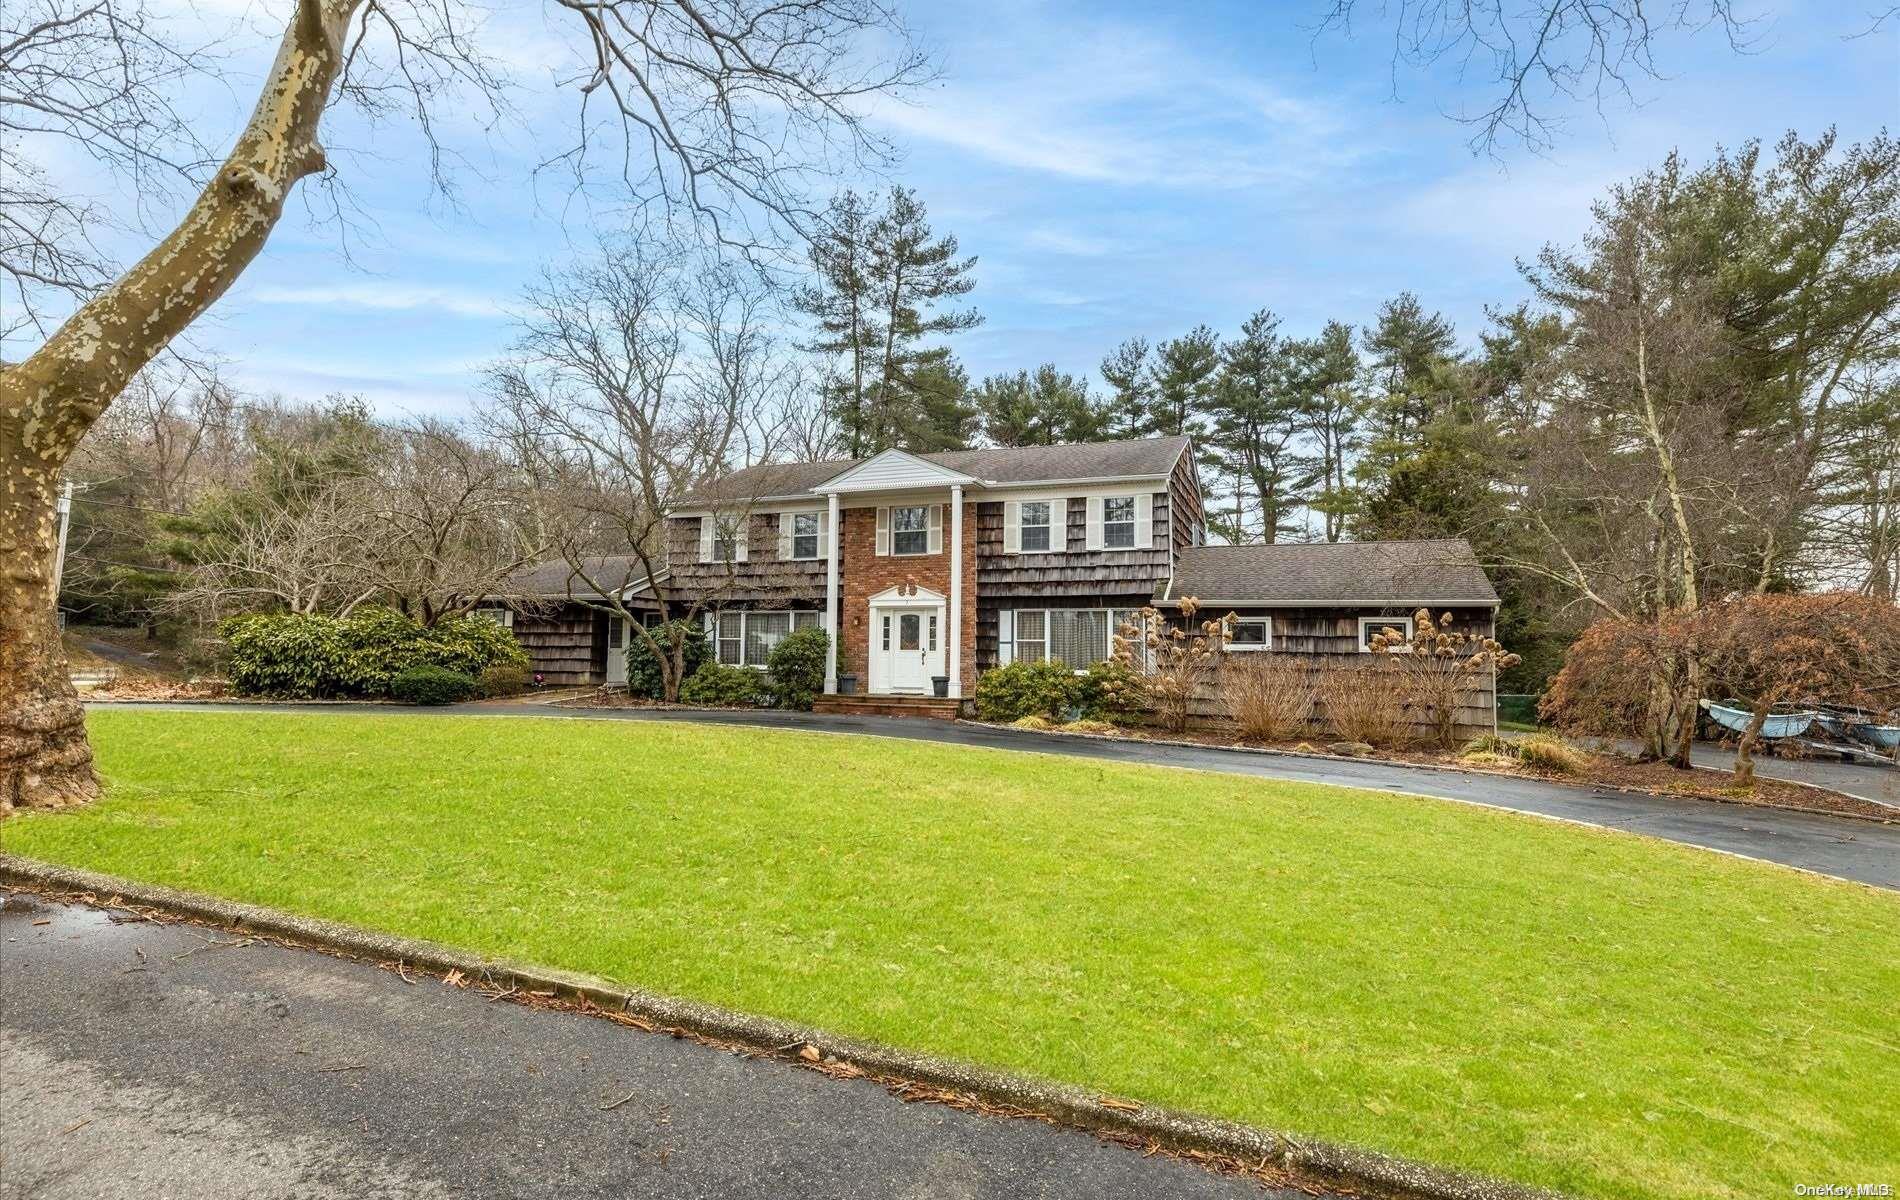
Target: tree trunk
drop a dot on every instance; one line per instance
(50, 399)
(44, 759)
(1674, 689)
(1745, 749)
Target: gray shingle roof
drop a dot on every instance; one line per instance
(1024, 464)
(1444, 571)
(557, 577)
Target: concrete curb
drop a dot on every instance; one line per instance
(1307, 1159)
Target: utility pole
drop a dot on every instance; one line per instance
(65, 522)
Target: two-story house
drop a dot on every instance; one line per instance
(938, 567)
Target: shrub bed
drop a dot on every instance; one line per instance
(309, 656)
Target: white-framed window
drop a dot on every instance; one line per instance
(745, 637)
(1371, 627)
(1032, 635)
(1075, 637)
(722, 538)
(1033, 522)
(504, 617)
(1118, 523)
(910, 529)
(805, 539)
(1250, 633)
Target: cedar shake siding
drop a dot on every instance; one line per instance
(567, 646)
(763, 580)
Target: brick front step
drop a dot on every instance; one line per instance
(887, 706)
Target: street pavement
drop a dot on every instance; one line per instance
(140, 1060)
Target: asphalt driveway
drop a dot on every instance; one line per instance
(145, 1060)
(1866, 851)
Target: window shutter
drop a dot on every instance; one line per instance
(936, 529)
(824, 542)
(1144, 522)
(1094, 523)
(883, 530)
(784, 536)
(706, 537)
(742, 537)
(1005, 637)
(1012, 527)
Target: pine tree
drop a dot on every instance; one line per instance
(878, 276)
(840, 300)
(945, 416)
(1330, 412)
(1047, 408)
(1182, 380)
(1126, 371)
(1256, 406)
(911, 272)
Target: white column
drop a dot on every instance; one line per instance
(834, 624)
(956, 591)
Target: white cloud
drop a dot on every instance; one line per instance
(1119, 105)
(388, 296)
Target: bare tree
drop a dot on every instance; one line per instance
(638, 377)
(304, 553)
(723, 110)
(1537, 54)
(450, 522)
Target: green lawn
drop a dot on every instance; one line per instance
(1575, 1008)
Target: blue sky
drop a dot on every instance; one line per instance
(1119, 169)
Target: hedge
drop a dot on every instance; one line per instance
(307, 656)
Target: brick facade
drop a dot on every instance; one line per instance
(862, 573)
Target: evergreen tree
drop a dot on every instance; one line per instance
(879, 277)
(840, 301)
(1255, 435)
(1323, 373)
(1181, 384)
(1048, 408)
(912, 271)
(945, 416)
(1132, 390)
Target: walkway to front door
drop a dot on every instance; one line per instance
(907, 644)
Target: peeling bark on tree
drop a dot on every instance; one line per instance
(49, 400)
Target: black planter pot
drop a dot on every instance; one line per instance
(940, 686)
(847, 685)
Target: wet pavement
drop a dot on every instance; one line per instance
(1866, 851)
(146, 1060)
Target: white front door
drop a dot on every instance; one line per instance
(906, 648)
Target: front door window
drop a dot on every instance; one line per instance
(910, 632)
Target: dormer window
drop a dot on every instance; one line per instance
(725, 545)
(1118, 523)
